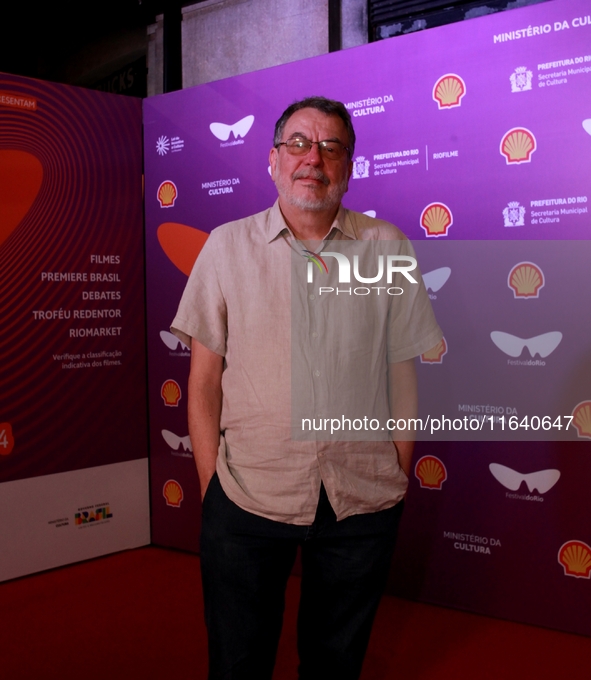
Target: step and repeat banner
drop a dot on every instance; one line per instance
(73, 426)
(474, 139)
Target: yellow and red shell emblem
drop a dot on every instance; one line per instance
(436, 219)
(173, 493)
(449, 90)
(167, 193)
(171, 393)
(6, 439)
(575, 558)
(518, 145)
(525, 280)
(430, 472)
(435, 354)
(582, 419)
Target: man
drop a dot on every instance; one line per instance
(266, 492)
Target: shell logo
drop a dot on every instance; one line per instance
(518, 145)
(436, 219)
(449, 90)
(6, 439)
(582, 419)
(173, 493)
(171, 393)
(525, 280)
(435, 354)
(575, 558)
(167, 194)
(430, 472)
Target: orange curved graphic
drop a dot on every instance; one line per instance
(181, 244)
(21, 174)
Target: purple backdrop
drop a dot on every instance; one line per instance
(474, 131)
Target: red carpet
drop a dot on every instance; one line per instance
(138, 614)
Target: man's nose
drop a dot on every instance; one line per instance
(314, 157)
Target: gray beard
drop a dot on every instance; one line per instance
(331, 199)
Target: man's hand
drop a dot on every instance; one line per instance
(402, 378)
(204, 409)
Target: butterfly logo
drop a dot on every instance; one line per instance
(174, 441)
(239, 129)
(171, 341)
(543, 344)
(540, 481)
(437, 278)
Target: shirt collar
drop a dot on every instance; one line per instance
(276, 224)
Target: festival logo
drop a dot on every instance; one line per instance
(575, 558)
(173, 493)
(370, 213)
(430, 472)
(521, 79)
(514, 214)
(518, 145)
(172, 342)
(436, 219)
(171, 393)
(587, 125)
(541, 481)
(162, 145)
(238, 130)
(449, 90)
(6, 439)
(167, 194)
(435, 355)
(174, 441)
(543, 344)
(436, 279)
(526, 280)
(360, 168)
(582, 419)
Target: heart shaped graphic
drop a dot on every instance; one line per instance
(181, 244)
(21, 174)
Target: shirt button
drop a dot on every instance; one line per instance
(312, 296)
(317, 373)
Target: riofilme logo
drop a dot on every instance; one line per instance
(435, 354)
(526, 280)
(582, 419)
(173, 493)
(436, 219)
(171, 393)
(94, 515)
(174, 441)
(239, 129)
(6, 439)
(543, 344)
(540, 481)
(449, 90)
(518, 145)
(430, 472)
(436, 279)
(575, 558)
(167, 194)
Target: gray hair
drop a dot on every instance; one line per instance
(328, 106)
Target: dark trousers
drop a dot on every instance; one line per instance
(246, 561)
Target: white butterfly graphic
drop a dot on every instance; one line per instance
(437, 278)
(171, 341)
(175, 441)
(587, 125)
(541, 481)
(370, 213)
(543, 344)
(240, 129)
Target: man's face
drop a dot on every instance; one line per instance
(311, 182)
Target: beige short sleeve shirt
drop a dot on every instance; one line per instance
(238, 304)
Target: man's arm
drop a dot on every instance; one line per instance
(204, 409)
(402, 377)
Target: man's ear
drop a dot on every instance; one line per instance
(273, 161)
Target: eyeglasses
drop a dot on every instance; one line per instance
(328, 148)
